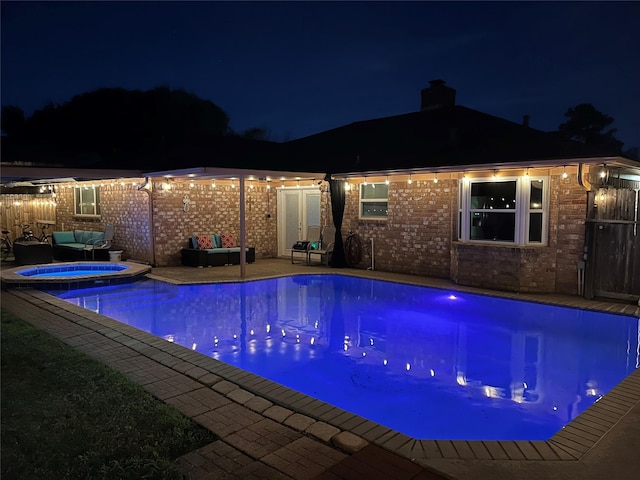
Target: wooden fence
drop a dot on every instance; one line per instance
(25, 209)
(613, 244)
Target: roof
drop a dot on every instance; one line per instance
(449, 137)
(453, 136)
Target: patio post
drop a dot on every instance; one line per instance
(243, 241)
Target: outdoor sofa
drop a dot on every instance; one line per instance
(73, 245)
(214, 251)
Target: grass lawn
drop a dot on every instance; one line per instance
(66, 416)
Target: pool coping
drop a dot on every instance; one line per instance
(9, 278)
(333, 425)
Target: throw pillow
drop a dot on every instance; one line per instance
(194, 242)
(218, 241)
(227, 240)
(204, 242)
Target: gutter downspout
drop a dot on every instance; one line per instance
(581, 181)
(581, 267)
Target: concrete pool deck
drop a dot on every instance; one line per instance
(268, 431)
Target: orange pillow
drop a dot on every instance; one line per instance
(204, 242)
(227, 240)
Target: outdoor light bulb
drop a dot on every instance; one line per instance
(298, 184)
(564, 172)
(213, 184)
(387, 180)
(365, 181)
(251, 185)
(526, 174)
(410, 181)
(603, 174)
(435, 178)
(121, 184)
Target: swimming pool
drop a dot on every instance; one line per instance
(428, 363)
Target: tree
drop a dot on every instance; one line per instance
(256, 133)
(13, 120)
(110, 120)
(587, 125)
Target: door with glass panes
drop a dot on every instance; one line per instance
(297, 209)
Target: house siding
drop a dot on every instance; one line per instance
(416, 237)
(420, 237)
(211, 210)
(125, 207)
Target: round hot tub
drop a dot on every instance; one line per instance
(66, 276)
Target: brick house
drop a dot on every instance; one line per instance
(446, 192)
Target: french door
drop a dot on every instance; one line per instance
(297, 209)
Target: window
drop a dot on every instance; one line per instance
(374, 201)
(511, 210)
(86, 201)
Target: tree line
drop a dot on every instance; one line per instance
(112, 120)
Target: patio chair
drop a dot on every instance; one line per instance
(325, 247)
(302, 246)
(104, 243)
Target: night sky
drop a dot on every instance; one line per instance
(298, 68)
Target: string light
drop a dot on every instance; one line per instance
(191, 185)
(435, 178)
(526, 174)
(564, 172)
(410, 181)
(365, 181)
(213, 184)
(233, 185)
(387, 180)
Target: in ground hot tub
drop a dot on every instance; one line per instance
(67, 276)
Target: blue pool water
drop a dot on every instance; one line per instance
(71, 271)
(429, 363)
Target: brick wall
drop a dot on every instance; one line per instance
(420, 237)
(126, 207)
(569, 212)
(552, 268)
(211, 210)
(416, 237)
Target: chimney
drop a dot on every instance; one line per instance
(525, 121)
(438, 95)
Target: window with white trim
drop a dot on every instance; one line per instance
(86, 201)
(374, 201)
(510, 210)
